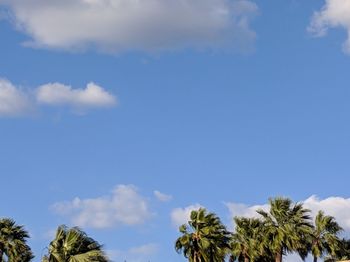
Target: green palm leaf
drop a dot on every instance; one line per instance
(287, 226)
(13, 242)
(324, 239)
(204, 239)
(73, 245)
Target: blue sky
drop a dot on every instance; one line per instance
(98, 114)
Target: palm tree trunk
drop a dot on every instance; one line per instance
(246, 259)
(315, 259)
(278, 257)
(196, 257)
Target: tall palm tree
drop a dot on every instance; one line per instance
(325, 236)
(287, 225)
(204, 239)
(246, 239)
(73, 245)
(13, 242)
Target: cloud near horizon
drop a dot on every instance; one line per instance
(16, 101)
(134, 254)
(180, 216)
(334, 14)
(333, 206)
(123, 206)
(122, 25)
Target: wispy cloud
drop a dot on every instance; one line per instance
(124, 25)
(124, 206)
(162, 197)
(334, 13)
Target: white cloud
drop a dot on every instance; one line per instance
(148, 25)
(16, 101)
(180, 216)
(124, 206)
(13, 101)
(237, 209)
(333, 206)
(134, 254)
(92, 96)
(335, 13)
(162, 197)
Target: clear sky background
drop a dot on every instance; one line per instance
(122, 116)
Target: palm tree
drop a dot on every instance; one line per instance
(246, 239)
(287, 225)
(341, 253)
(325, 236)
(73, 245)
(204, 239)
(13, 242)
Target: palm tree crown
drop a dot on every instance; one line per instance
(245, 243)
(325, 236)
(204, 239)
(287, 226)
(13, 242)
(73, 245)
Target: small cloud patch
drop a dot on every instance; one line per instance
(123, 206)
(180, 216)
(334, 14)
(93, 96)
(16, 101)
(162, 197)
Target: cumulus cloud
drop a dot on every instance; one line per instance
(134, 254)
(148, 25)
(180, 216)
(333, 206)
(13, 101)
(335, 13)
(91, 97)
(16, 101)
(162, 197)
(124, 206)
